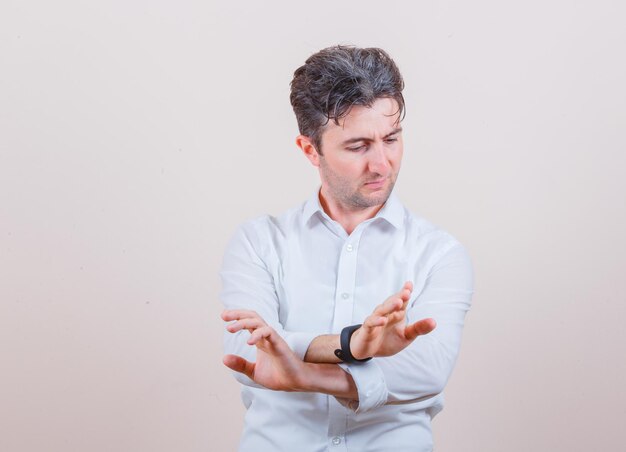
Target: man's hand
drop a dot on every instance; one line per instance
(277, 367)
(385, 332)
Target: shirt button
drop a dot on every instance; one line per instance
(349, 247)
(345, 295)
(336, 441)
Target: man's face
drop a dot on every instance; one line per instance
(361, 156)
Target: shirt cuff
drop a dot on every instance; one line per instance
(299, 342)
(370, 384)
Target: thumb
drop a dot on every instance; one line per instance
(419, 328)
(238, 364)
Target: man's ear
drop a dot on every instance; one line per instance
(308, 148)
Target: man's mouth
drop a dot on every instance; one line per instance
(376, 183)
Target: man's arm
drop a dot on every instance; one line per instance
(383, 333)
(247, 282)
(278, 368)
(416, 373)
(421, 370)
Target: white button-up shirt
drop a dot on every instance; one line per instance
(306, 277)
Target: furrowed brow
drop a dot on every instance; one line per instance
(393, 132)
(366, 139)
(354, 140)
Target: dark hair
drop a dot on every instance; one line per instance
(334, 79)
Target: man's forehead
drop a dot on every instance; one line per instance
(383, 117)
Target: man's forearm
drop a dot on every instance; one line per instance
(383, 333)
(322, 349)
(328, 379)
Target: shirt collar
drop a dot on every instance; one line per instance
(392, 211)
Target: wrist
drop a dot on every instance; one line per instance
(346, 353)
(356, 351)
(327, 379)
(305, 378)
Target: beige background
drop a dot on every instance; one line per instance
(135, 136)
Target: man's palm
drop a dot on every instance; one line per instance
(385, 332)
(277, 366)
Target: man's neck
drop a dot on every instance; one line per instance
(348, 217)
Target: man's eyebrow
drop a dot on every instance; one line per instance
(393, 132)
(357, 139)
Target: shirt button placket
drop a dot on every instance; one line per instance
(346, 275)
(344, 308)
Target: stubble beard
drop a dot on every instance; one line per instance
(350, 197)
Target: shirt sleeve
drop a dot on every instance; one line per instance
(248, 284)
(421, 371)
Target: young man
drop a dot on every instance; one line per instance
(297, 287)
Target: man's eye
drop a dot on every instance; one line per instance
(357, 148)
(391, 140)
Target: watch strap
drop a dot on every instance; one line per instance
(344, 353)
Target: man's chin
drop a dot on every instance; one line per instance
(375, 198)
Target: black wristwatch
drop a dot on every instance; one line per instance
(344, 353)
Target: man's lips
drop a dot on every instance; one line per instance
(376, 183)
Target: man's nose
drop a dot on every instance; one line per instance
(378, 160)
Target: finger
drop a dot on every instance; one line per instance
(236, 314)
(392, 311)
(374, 321)
(268, 340)
(419, 328)
(238, 364)
(391, 304)
(247, 324)
(406, 291)
(260, 333)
